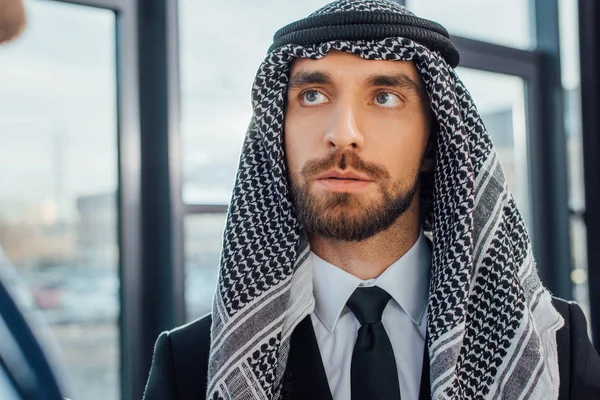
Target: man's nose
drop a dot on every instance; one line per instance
(343, 132)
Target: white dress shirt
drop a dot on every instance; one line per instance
(404, 318)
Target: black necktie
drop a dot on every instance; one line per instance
(373, 371)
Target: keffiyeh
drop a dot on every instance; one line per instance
(491, 324)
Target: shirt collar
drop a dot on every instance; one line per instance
(406, 280)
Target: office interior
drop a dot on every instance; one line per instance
(121, 123)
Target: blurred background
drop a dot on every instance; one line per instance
(121, 123)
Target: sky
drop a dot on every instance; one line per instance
(58, 112)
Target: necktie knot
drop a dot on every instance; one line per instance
(367, 304)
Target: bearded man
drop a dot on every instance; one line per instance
(372, 249)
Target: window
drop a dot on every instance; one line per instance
(58, 215)
(203, 239)
(569, 45)
(216, 80)
(505, 22)
(500, 100)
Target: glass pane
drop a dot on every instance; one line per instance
(505, 22)
(579, 276)
(215, 84)
(571, 82)
(500, 100)
(58, 148)
(569, 46)
(203, 238)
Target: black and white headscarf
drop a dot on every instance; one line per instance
(491, 324)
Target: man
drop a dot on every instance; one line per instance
(363, 143)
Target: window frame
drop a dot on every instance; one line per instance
(546, 143)
(150, 206)
(150, 203)
(589, 18)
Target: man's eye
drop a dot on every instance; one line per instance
(312, 97)
(387, 99)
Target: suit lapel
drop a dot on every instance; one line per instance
(305, 376)
(425, 391)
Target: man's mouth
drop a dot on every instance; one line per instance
(343, 181)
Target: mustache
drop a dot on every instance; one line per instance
(343, 159)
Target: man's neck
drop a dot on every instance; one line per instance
(369, 258)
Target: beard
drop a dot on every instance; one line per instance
(348, 216)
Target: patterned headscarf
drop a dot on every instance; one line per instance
(491, 324)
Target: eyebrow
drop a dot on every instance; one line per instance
(304, 78)
(399, 80)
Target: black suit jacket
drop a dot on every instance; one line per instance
(180, 363)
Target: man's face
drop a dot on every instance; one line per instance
(355, 134)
